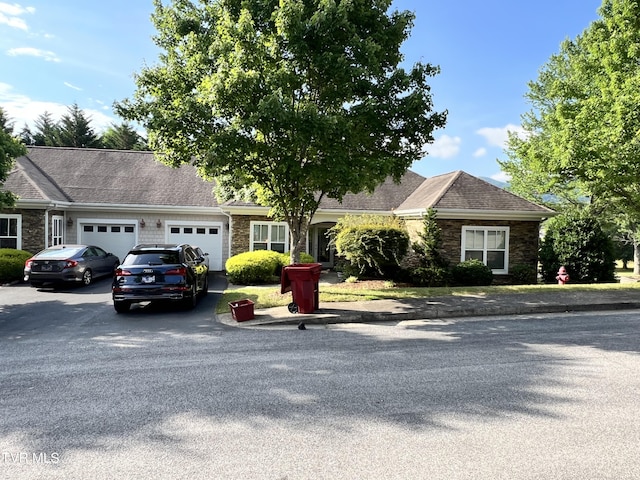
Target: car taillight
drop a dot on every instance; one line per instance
(70, 264)
(122, 273)
(177, 271)
(28, 263)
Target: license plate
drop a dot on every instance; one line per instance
(149, 279)
(46, 268)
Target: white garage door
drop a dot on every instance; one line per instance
(113, 237)
(206, 236)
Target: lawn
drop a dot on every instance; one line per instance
(269, 295)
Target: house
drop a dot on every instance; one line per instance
(116, 199)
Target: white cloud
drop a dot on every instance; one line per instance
(10, 15)
(501, 177)
(444, 147)
(24, 110)
(497, 137)
(67, 84)
(33, 52)
(481, 152)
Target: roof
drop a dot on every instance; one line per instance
(122, 177)
(460, 191)
(102, 176)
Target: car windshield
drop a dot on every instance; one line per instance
(152, 258)
(60, 252)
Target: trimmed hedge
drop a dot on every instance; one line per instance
(260, 266)
(12, 264)
(472, 273)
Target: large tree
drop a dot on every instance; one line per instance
(46, 131)
(74, 130)
(583, 134)
(10, 149)
(300, 99)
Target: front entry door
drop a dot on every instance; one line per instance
(320, 249)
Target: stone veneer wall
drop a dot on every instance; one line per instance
(523, 238)
(33, 228)
(241, 234)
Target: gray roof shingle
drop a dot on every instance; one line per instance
(119, 177)
(461, 191)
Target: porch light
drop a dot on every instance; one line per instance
(142, 224)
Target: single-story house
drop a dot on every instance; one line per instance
(115, 199)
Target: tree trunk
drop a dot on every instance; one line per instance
(297, 238)
(636, 257)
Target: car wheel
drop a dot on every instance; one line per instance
(121, 307)
(87, 277)
(205, 288)
(191, 301)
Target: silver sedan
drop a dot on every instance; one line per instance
(69, 263)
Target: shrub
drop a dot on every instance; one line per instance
(12, 264)
(430, 276)
(576, 240)
(523, 274)
(429, 269)
(251, 268)
(374, 244)
(285, 259)
(472, 273)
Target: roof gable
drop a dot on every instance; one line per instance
(461, 191)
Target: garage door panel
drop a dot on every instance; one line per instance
(112, 237)
(208, 237)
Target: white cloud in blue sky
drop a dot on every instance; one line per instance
(444, 147)
(10, 15)
(33, 52)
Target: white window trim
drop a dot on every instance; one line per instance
(485, 228)
(59, 219)
(270, 224)
(18, 227)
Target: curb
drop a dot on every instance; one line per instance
(429, 313)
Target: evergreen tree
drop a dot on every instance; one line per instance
(123, 137)
(75, 130)
(46, 133)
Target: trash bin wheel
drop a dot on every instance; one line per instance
(293, 307)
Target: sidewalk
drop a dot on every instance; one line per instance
(445, 307)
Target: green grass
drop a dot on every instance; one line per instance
(269, 296)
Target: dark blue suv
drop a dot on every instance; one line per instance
(160, 272)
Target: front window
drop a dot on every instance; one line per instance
(10, 231)
(269, 236)
(490, 245)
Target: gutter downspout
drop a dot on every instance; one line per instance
(229, 234)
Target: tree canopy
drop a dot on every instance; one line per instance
(10, 149)
(583, 133)
(299, 99)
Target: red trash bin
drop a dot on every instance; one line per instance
(301, 279)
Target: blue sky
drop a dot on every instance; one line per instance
(54, 54)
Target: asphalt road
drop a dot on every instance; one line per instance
(160, 393)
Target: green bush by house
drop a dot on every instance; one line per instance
(12, 264)
(260, 266)
(373, 244)
(472, 273)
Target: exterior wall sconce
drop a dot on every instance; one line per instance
(142, 224)
(158, 223)
(69, 222)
